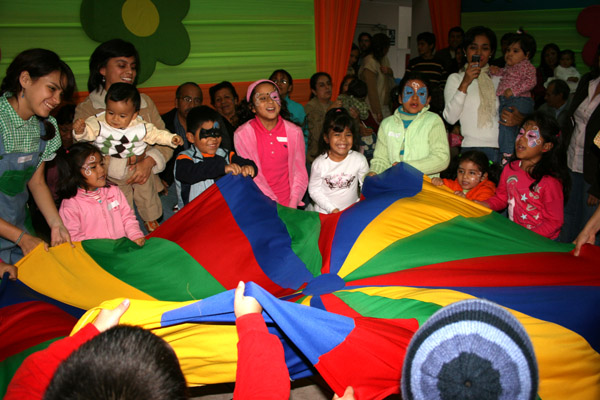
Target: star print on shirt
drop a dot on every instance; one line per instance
(537, 216)
(523, 217)
(524, 197)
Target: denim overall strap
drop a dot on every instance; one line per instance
(16, 169)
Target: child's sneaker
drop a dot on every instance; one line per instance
(151, 226)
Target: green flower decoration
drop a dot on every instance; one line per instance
(153, 26)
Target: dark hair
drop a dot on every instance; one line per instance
(560, 87)
(380, 43)
(121, 91)
(212, 91)
(358, 89)
(456, 29)
(65, 114)
(38, 63)
(313, 81)
(346, 78)
(548, 70)
(69, 163)
(526, 41)
(338, 119)
(124, 362)
(506, 37)
(180, 87)
(553, 161)
(198, 116)
(354, 47)
(411, 76)
(107, 50)
(427, 37)
(482, 161)
(472, 33)
(364, 34)
(284, 72)
(245, 110)
(569, 52)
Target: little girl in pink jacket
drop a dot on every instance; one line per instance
(274, 144)
(90, 209)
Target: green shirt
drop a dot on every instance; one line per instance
(21, 136)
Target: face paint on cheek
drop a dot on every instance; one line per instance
(422, 93)
(275, 96)
(86, 166)
(407, 94)
(533, 137)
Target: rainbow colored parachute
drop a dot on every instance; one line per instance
(370, 276)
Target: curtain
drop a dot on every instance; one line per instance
(445, 14)
(335, 21)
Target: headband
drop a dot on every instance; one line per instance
(255, 84)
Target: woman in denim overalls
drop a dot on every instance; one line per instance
(35, 83)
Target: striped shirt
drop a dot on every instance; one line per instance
(19, 136)
(432, 69)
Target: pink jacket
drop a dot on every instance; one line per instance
(246, 146)
(111, 218)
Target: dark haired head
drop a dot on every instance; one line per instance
(559, 87)
(380, 44)
(483, 163)
(124, 362)
(364, 34)
(526, 41)
(313, 81)
(344, 80)
(38, 63)
(427, 37)
(69, 163)
(65, 114)
(212, 91)
(568, 52)
(180, 87)
(553, 161)
(548, 70)
(472, 33)
(357, 88)
(104, 52)
(338, 119)
(121, 91)
(284, 72)
(456, 29)
(198, 116)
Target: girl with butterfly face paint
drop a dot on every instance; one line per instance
(413, 135)
(535, 183)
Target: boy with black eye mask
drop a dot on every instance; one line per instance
(198, 167)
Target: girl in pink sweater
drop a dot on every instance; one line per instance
(275, 144)
(90, 208)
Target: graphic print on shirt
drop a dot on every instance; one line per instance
(514, 196)
(339, 181)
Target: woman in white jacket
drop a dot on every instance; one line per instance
(470, 95)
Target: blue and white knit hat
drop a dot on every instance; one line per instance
(472, 349)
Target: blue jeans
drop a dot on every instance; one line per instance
(577, 212)
(508, 134)
(491, 152)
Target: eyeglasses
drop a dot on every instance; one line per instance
(188, 99)
(282, 81)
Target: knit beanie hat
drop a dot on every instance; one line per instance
(472, 349)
